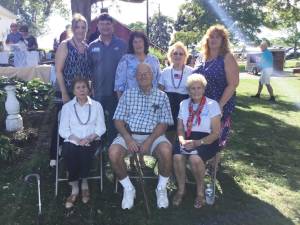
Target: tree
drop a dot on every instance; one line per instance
(34, 13)
(285, 15)
(242, 18)
(160, 30)
(84, 6)
(189, 38)
(137, 26)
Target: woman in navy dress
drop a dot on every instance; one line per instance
(221, 71)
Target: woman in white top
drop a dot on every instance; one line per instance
(173, 78)
(198, 128)
(81, 124)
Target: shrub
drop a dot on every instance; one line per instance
(7, 151)
(159, 54)
(32, 95)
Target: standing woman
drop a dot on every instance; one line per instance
(70, 61)
(221, 71)
(173, 78)
(138, 52)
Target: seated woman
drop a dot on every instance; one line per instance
(81, 124)
(198, 129)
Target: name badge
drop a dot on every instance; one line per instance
(95, 49)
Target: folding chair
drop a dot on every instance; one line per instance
(211, 168)
(133, 174)
(98, 156)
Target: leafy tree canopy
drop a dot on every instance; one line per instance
(160, 30)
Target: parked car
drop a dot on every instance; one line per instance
(290, 54)
(253, 59)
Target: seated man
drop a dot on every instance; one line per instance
(141, 118)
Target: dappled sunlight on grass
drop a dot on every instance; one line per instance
(264, 150)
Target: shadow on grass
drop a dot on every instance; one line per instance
(232, 207)
(279, 106)
(270, 145)
(258, 138)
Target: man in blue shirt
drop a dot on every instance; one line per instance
(14, 36)
(104, 55)
(266, 66)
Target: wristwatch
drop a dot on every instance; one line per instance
(201, 142)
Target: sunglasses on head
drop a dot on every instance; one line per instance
(178, 53)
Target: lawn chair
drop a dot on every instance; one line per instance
(98, 167)
(133, 174)
(211, 172)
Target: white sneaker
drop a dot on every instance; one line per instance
(52, 163)
(128, 198)
(162, 198)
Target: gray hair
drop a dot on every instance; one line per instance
(196, 78)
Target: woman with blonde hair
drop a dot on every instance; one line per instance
(173, 78)
(221, 71)
(71, 61)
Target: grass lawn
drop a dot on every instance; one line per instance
(258, 182)
(292, 63)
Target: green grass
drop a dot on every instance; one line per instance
(242, 66)
(292, 63)
(258, 182)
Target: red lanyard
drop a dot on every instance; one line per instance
(193, 113)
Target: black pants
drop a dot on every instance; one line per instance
(109, 104)
(53, 146)
(175, 100)
(78, 160)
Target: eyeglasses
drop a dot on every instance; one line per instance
(178, 53)
(144, 74)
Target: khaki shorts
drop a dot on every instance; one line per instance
(119, 140)
(265, 76)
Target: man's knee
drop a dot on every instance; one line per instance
(115, 152)
(164, 150)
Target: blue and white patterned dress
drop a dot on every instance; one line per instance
(214, 72)
(76, 64)
(126, 70)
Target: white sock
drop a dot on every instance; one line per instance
(84, 184)
(162, 182)
(75, 188)
(126, 183)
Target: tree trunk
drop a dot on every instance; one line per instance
(83, 7)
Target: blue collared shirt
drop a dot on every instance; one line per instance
(126, 71)
(143, 112)
(104, 60)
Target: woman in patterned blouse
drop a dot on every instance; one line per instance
(138, 52)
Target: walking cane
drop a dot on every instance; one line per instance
(140, 174)
(37, 176)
